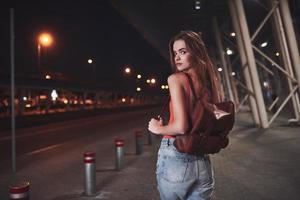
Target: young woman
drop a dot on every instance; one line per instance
(179, 175)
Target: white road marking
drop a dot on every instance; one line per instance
(44, 149)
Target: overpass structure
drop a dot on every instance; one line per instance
(255, 45)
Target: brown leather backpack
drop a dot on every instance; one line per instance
(210, 125)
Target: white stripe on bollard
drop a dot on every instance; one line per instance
(19, 191)
(19, 196)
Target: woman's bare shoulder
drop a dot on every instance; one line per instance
(178, 78)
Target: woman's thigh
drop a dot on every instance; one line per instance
(203, 187)
(178, 173)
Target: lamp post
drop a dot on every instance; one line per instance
(44, 39)
(91, 62)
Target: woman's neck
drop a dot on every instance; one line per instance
(191, 71)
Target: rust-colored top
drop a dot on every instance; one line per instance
(194, 117)
(171, 119)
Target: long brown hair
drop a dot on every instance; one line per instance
(206, 71)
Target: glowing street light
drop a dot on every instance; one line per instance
(153, 80)
(148, 81)
(48, 77)
(127, 70)
(164, 87)
(229, 51)
(232, 34)
(220, 69)
(264, 44)
(138, 89)
(197, 5)
(277, 54)
(92, 63)
(139, 76)
(45, 40)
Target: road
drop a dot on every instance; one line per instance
(56, 149)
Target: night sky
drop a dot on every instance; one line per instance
(81, 30)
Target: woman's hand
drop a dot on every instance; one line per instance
(155, 125)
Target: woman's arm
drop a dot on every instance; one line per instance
(180, 123)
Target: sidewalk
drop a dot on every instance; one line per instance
(258, 164)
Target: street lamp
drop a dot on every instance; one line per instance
(90, 61)
(48, 76)
(44, 39)
(153, 81)
(127, 70)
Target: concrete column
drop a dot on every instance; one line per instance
(222, 57)
(251, 63)
(291, 38)
(281, 41)
(243, 59)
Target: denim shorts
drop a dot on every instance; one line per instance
(183, 176)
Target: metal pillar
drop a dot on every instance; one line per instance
(222, 57)
(12, 61)
(285, 55)
(291, 38)
(243, 59)
(212, 51)
(251, 63)
(232, 81)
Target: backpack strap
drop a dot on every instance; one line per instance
(206, 132)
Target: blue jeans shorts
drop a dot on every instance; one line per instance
(182, 176)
